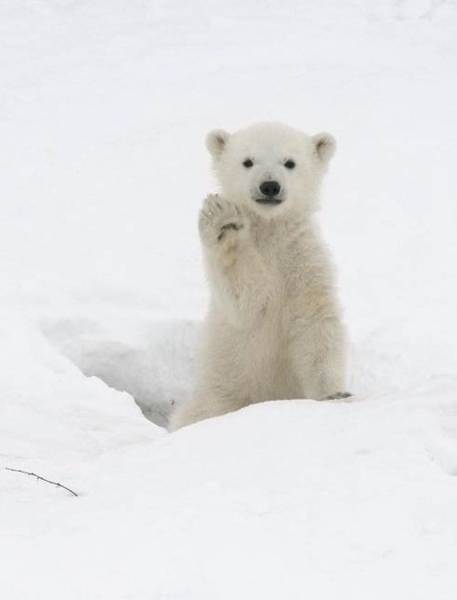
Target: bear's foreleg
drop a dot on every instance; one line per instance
(318, 355)
(237, 275)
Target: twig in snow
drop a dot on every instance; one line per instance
(42, 479)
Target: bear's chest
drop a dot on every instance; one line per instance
(284, 262)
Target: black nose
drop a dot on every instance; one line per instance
(270, 188)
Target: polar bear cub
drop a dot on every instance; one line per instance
(273, 329)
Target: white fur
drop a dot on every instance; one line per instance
(273, 330)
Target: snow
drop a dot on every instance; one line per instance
(103, 108)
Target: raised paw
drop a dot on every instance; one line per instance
(218, 218)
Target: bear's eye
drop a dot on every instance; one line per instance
(248, 163)
(289, 164)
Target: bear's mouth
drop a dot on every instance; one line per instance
(270, 201)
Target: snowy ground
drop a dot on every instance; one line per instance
(103, 109)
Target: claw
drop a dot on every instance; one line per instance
(235, 226)
(338, 396)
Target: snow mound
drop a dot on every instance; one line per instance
(54, 418)
(151, 360)
(273, 501)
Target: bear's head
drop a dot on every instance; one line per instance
(270, 168)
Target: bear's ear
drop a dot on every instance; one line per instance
(325, 146)
(216, 141)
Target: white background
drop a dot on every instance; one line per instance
(104, 106)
